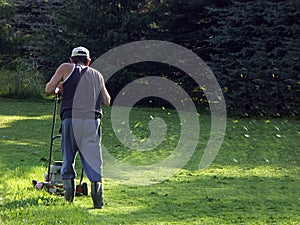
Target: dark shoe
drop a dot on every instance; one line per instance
(97, 194)
(69, 189)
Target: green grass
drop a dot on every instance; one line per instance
(254, 179)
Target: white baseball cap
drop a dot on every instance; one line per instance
(80, 51)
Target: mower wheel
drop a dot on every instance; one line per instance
(84, 189)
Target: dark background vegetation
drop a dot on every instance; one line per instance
(251, 46)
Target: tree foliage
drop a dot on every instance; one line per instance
(254, 55)
(252, 46)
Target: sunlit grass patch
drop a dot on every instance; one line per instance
(23, 143)
(6, 121)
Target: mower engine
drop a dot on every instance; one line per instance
(54, 175)
(53, 179)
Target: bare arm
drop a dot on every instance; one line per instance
(60, 75)
(104, 93)
(105, 96)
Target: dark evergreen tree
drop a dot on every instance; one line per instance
(185, 23)
(98, 25)
(251, 55)
(23, 21)
(9, 40)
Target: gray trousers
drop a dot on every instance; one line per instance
(81, 136)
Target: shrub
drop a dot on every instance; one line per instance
(23, 82)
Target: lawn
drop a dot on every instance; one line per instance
(254, 179)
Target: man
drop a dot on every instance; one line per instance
(83, 93)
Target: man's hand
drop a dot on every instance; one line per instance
(59, 88)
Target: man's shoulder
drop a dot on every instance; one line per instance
(65, 69)
(93, 70)
(67, 65)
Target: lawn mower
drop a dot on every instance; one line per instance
(52, 178)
